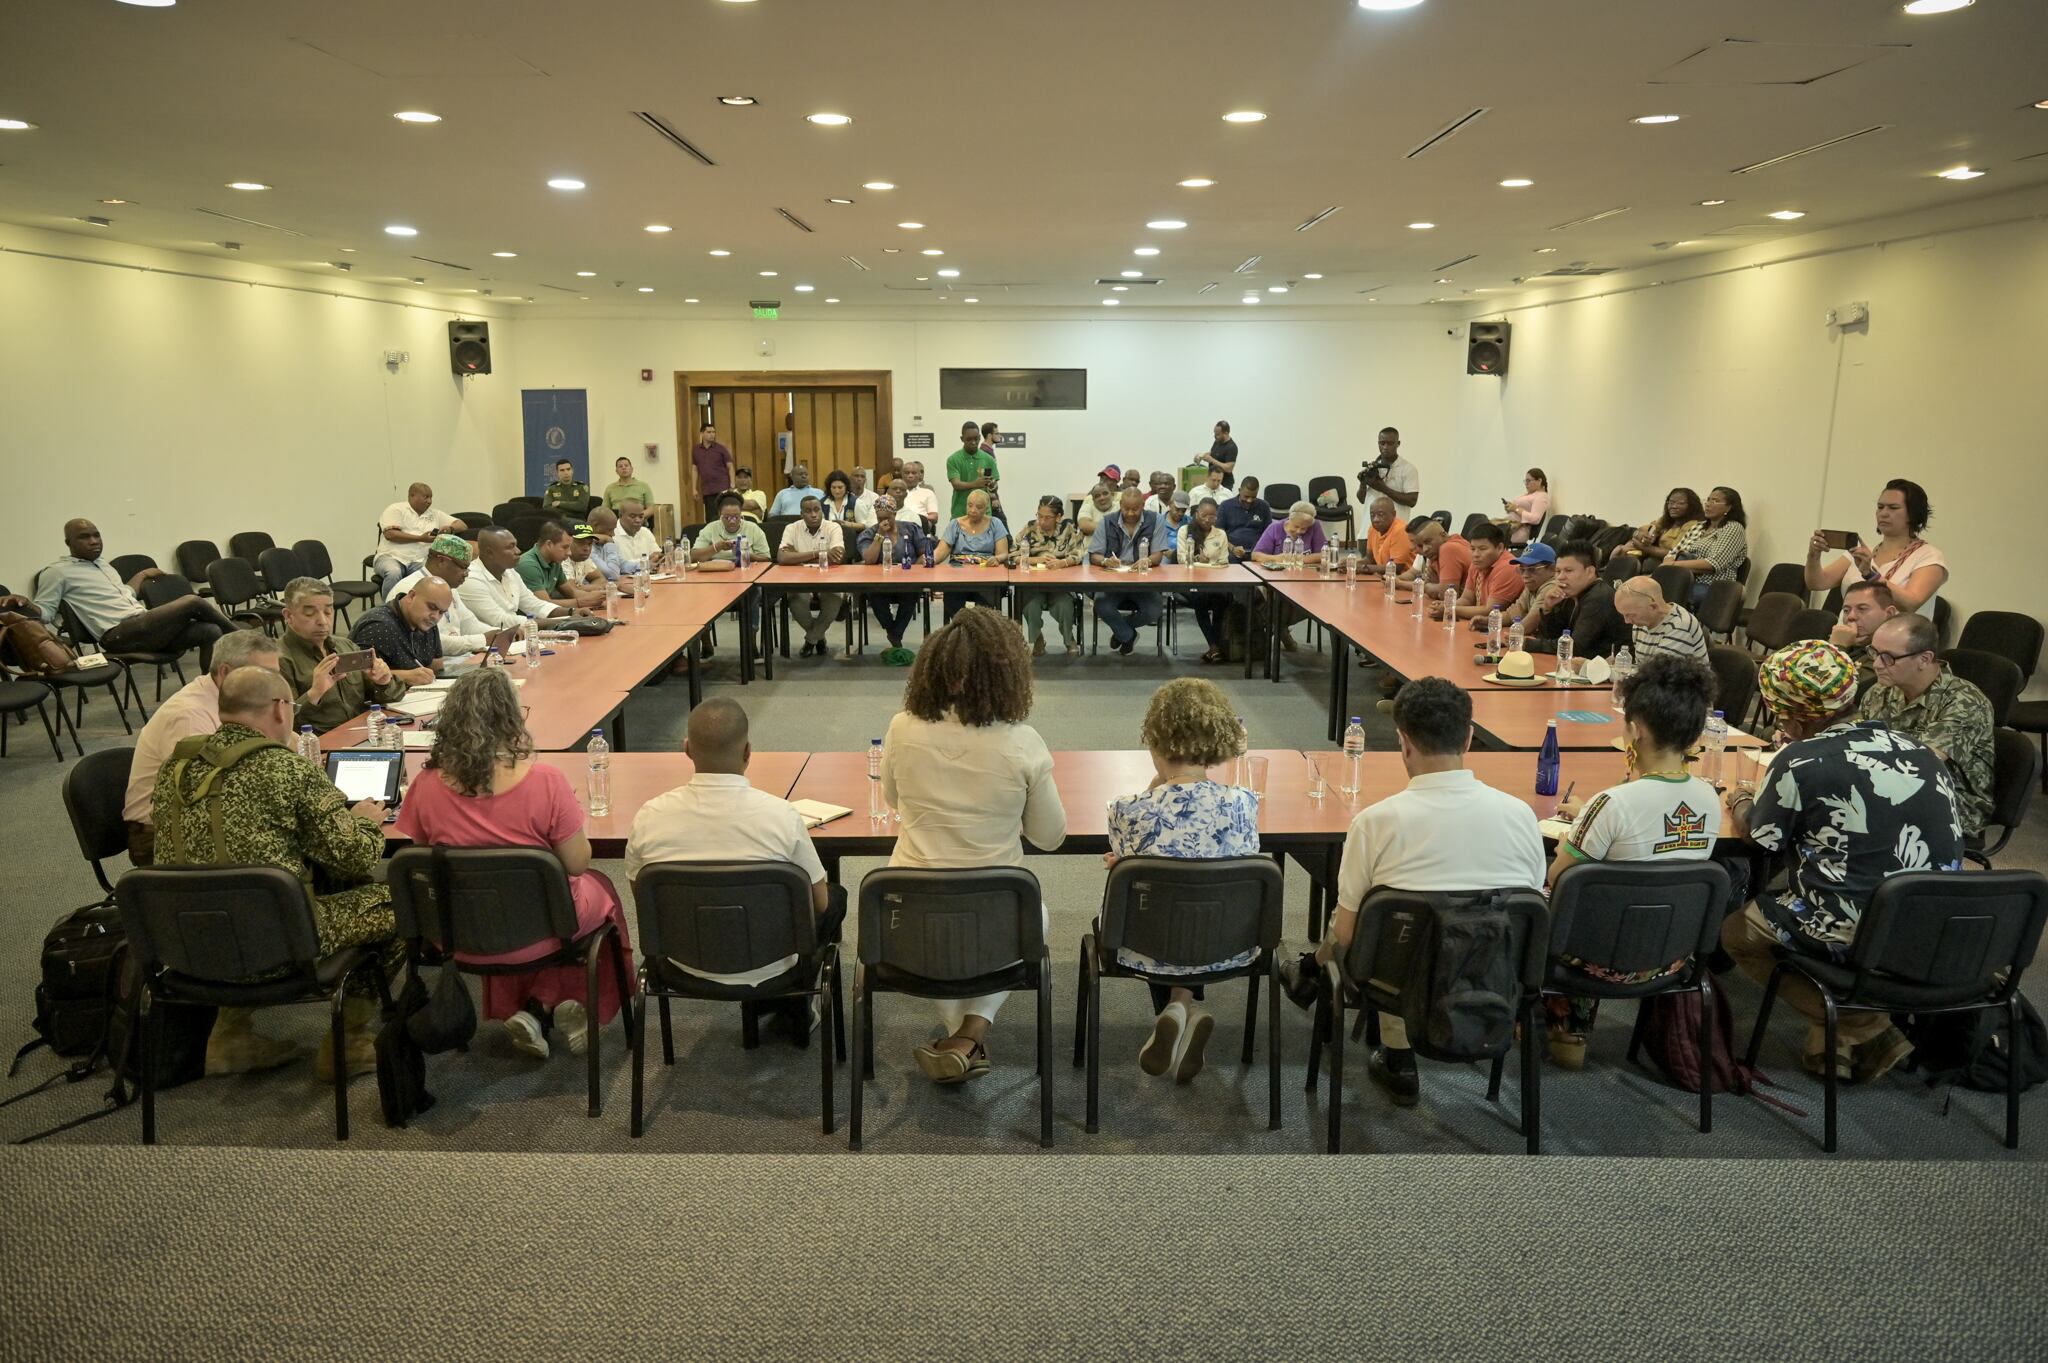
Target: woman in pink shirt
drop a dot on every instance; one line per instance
(482, 788)
(1527, 512)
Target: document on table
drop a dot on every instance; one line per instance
(817, 812)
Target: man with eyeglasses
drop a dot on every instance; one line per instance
(1920, 698)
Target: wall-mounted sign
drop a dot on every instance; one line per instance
(1009, 440)
(769, 314)
(917, 440)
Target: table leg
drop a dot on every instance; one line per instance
(1273, 635)
(1340, 654)
(692, 651)
(619, 729)
(758, 602)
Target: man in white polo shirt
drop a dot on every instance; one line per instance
(813, 612)
(718, 816)
(1446, 831)
(406, 529)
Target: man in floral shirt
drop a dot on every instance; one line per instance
(1852, 801)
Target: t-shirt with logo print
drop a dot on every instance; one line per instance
(1652, 818)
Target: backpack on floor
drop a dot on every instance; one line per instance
(75, 994)
(1975, 1049)
(1671, 1035)
(1450, 967)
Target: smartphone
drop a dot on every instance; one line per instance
(359, 661)
(1840, 539)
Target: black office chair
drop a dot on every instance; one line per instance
(1770, 620)
(95, 794)
(1619, 568)
(1473, 522)
(1928, 942)
(1416, 523)
(19, 695)
(193, 557)
(946, 934)
(239, 594)
(2012, 636)
(314, 558)
(1998, 678)
(232, 937)
(2015, 766)
(249, 545)
(1442, 518)
(162, 591)
(1734, 681)
(1676, 584)
(472, 522)
(1811, 624)
(502, 513)
(128, 565)
(279, 567)
(128, 660)
(1944, 620)
(1608, 541)
(1723, 604)
(1185, 913)
(1553, 531)
(1280, 496)
(1341, 512)
(1788, 578)
(1632, 917)
(111, 674)
(488, 901)
(1391, 927)
(729, 918)
(1832, 602)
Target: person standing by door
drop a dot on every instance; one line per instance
(970, 468)
(711, 470)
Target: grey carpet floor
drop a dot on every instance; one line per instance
(215, 1254)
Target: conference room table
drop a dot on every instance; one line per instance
(736, 587)
(1089, 581)
(1519, 719)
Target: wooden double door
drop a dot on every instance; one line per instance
(834, 420)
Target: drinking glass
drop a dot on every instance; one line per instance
(1255, 775)
(1316, 785)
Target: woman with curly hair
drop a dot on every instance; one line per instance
(970, 781)
(482, 788)
(1654, 540)
(1188, 728)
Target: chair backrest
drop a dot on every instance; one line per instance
(95, 790)
(1609, 540)
(946, 925)
(1328, 483)
(2012, 636)
(526, 528)
(1192, 913)
(1676, 584)
(481, 901)
(1393, 931)
(503, 512)
(1621, 567)
(1810, 623)
(1582, 528)
(220, 923)
(314, 557)
(1442, 518)
(1832, 602)
(1723, 604)
(161, 591)
(2015, 767)
(279, 567)
(1734, 680)
(1770, 622)
(1473, 522)
(723, 917)
(530, 499)
(773, 528)
(687, 536)
(1789, 578)
(473, 521)
(1944, 620)
(128, 565)
(193, 557)
(233, 581)
(1998, 678)
(1637, 916)
(1280, 496)
(1951, 932)
(249, 545)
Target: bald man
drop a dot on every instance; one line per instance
(406, 632)
(407, 528)
(113, 609)
(608, 551)
(1656, 625)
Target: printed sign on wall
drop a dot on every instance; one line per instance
(557, 422)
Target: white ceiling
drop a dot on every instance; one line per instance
(1034, 139)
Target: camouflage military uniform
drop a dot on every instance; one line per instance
(1954, 718)
(572, 497)
(277, 809)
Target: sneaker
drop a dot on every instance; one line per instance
(1038, 647)
(1394, 1071)
(523, 1029)
(1874, 1058)
(1073, 650)
(1187, 1057)
(1298, 976)
(1157, 1054)
(1126, 646)
(1568, 1050)
(574, 1024)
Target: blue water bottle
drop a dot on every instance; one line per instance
(1547, 762)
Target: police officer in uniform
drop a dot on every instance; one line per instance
(568, 494)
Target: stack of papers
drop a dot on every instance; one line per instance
(817, 812)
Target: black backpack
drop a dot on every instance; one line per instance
(1975, 1049)
(1450, 967)
(76, 990)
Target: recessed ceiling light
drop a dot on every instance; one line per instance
(1655, 118)
(737, 101)
(2041, 104)
(829, 120)
(1111, 302)
(767, 274)
(1249, 298)
(645, 289)
(806, 288)
(878, 184)
(721, 253)
(1936, 6)
(416, 116)
(1244, 116)
(931, 251)
(397, 230)
(1119, 288)
(564, 182)
(1165, 225)
(506, 255)
(1311, 276)
(970, 300)
(586, 274)
(1546, 250)
(1443, 279)
(838, 201)
(829, 300)
(1146, 251)
(247, 186)
(1132, 274)
(350, 249)
(16, 125)
(1787, 214)
(113, 201)
(1276, 288)
(911, 226)
(1710, 203)
(1960, 173)
(949, 274)
(1420, 226)
(689, 300)
(892, 250)
(1196, 184)
(1516, 184)
(1388, 4)
(659, 227)
(924, 279)
(150, 4)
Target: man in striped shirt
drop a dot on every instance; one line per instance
(1659, 626)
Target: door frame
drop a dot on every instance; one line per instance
(689, 382)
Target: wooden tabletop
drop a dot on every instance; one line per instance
(1411, 647)
(556, 725)
(1165, 577)
(1518, 719)
(697, 577)
(690, 610)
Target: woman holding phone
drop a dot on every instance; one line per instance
(1526, 513)
(1914, 569)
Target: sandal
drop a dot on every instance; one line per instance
(948, 1066)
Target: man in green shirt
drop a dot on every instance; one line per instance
(1920, 698)
(540, 567)
(970, 467)
(568, 494)
(308, 658)
(626, 485)
(713, 552)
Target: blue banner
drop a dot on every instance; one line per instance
(557, 427)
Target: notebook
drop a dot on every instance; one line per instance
(817, 812)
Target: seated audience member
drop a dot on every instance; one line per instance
(790, 501)
(1189, 727)
(608, 552)
(1914, 569)
(407, 528)
(1099, 505)
(1441, 558)
(903, 543)
(970, 781)
(838, 503)
(1386, 537)
(1244, 518)
(972, 539)
(406, 634)
(1536, 565)
(496, 595)
(1400, 843)
(481, 787)
(718, 816)
(277, 809)
(1129, 482)
(1712, 550)
(1301, 528)
(863, 498)
(540, 567)
(1526, 513)
(585, 582)
(568, 495)
(1050, 542)
(1129, 539)
(193, 709)
(308, 657)
(1658, 628)
(753, 501)
(1584, 605)
(802, 543)
(1174, 520)
(1161, 487)
(921, 498)
(1917, 696)
(1865, 606)
(1654, 540)
(625, 486)
(1906, 820)
(461, 632)
(716, 551)
(1495, 581)
(1215, 485)
(1222, 461)
(113, 610)
(1659, 812)
(633, 540)
(1204, 544)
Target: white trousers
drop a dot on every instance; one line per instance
(954, 1012)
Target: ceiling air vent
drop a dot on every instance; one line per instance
(1808, 151)
(1447, 132)
(1590, 217)
(794, 221)
(672, 136)
(251, 222)
(1113, 282)
(1577, 269)
(1334, 208)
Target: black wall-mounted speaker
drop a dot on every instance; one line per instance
(1486, 348)
(469, 347)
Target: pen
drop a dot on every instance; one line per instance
(1566, 797)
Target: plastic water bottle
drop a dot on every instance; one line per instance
(928, 556)
(1624, 667)
(599, 781)
(1493, 639)
(394, 738)
(493, 658)
(1450, 608)
(1144, 556)
(875, 808)
(610, 611)
(309, 743)
(1564, 654)
(1354, 749)
(1547, 762)
(1387, 576)
(1515, 637)
(1351, 570)
(642, 589)
(1421, 594)
(376, 726)
(885, 553)
(739, 550)
(1716, 745)
(529, 630)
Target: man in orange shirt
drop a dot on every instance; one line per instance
(1494, 579)
(1441, 559)
(1387, 541)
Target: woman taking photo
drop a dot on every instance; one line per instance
(1914, 569)
(1050, 542)
(970, 781)
(482, 788)
(1712, 550)
(973, 539)
(1654, 540)
(1203, 545)
(1526, 513)
(1189, 728)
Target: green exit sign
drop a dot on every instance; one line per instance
(769, 313)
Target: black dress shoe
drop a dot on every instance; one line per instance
(1394, 1071)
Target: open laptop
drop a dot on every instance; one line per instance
(368, 774)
